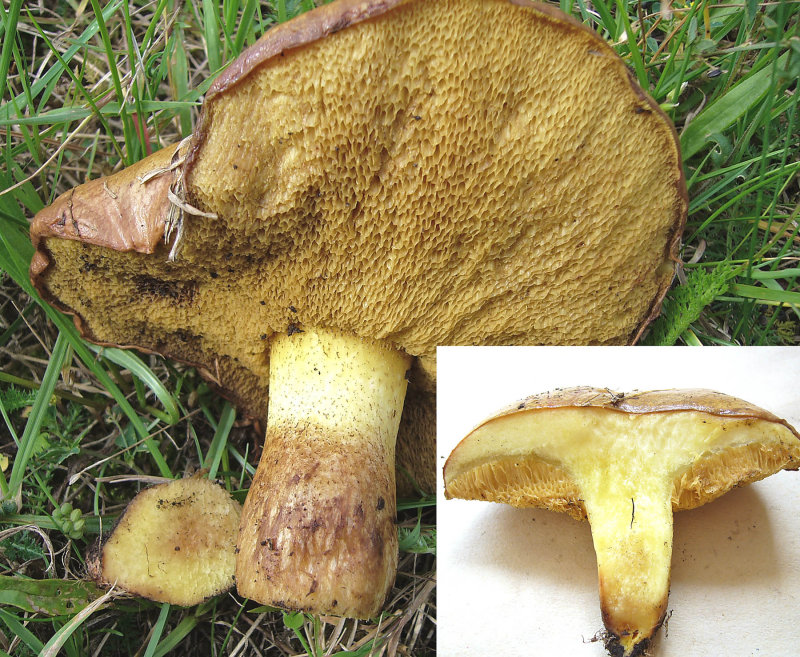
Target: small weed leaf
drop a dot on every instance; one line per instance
(369, 648)
(721, 114)
(13, 398)
(20, 546)
(723, 149)
(419, 539)
(293, 619)
(51, 597)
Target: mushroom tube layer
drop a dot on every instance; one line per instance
(625, 463)
(405, 173)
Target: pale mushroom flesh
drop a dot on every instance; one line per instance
(174, 543)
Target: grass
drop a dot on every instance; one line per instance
(85, 89)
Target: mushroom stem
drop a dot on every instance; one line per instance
(318, 526)
(631, 519)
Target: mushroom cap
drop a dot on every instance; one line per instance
(454, 172)
(484, 466)
(444, 186)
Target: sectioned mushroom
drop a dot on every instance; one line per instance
(368, 181)
(625, 462)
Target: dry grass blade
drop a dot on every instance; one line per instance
(62, 636)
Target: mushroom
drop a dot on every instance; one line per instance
(625, 462)
(368, 181)
(174, 543)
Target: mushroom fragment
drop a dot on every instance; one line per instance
(174, 543)
(377, 176)
(625, 462)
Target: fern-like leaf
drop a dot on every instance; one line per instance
(13, 398)
(685, 303)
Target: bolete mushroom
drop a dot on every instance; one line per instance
(368, 181)
(174, 543)
(625, 462)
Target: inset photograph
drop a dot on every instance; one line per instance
(618, 501)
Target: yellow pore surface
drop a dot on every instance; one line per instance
(453, 172)
(466, 172)
(175, 543)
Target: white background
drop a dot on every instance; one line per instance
(523, 582)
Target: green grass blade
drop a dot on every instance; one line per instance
(158, 630)
(18, 629)
(173, 639)
(60, 638)
(115, 78)
(218, 443)
(766, 295)
(690, 339)
(721, 114)
(15, 257)
(16, 252)
(9, 30)
(16, 324)
(636, 56)
(178, 75)
(47, 522)
(154, 24)
(82, 351)
(111, 109)
(65, 326)
(606, 19)
(245, 25)
(775, 275)
(20, 102)
(280, 6)
(32, 427)
(130, 361)
(78, 85)
(371, 647)
(741, 192)
(211, 26)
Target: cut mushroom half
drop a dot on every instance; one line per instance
(368, 181)
(625, 462)
(174, 543)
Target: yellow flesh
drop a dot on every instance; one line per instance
(174, 544)
(623, 468)
(317, 530)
